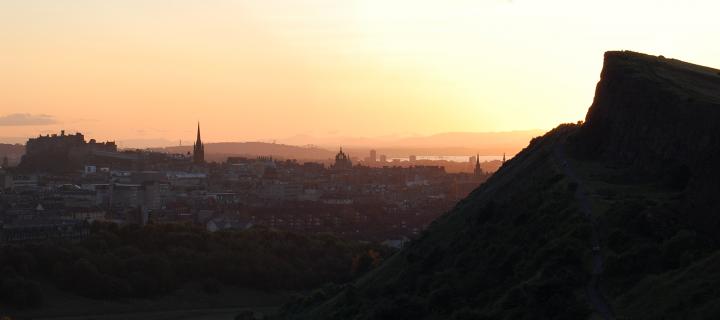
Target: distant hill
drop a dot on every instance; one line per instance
(450, 143)
(144, 143)
(221, 150)
(613, 218)
(487, 140)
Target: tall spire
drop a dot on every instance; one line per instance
(198, 134)
(478, 171)
(198, 148)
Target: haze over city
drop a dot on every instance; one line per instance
(359, 159)
(144, 71)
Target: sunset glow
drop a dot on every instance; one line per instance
(264, 70)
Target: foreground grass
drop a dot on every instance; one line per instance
(188, 300)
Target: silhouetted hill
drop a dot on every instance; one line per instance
(221, 150)
(613, 217)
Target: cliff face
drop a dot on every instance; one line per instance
(626, 203)
(662, 117)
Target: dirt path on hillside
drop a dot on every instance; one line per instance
(598, 301)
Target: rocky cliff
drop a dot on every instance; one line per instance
(662, 117)
(611, 218)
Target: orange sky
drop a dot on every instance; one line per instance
(263, 70)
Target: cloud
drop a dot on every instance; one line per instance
(26, 119)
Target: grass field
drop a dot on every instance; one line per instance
(189, 302)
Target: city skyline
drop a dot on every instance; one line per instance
(491, 143)
(220, 151)
(359, 159)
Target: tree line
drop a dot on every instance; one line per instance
(139, 262)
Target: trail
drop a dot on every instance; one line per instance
(599, 303)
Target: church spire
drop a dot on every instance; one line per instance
(198, 134)
(198, 148)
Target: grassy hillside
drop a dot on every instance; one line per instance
(613, 218)
(130, 262)
(517, 247)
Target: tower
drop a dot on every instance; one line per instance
(478, 170)
(342, 161)
(198, 149)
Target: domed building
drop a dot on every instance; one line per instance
(342, 161)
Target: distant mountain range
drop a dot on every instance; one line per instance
(322, 148)
(221, 150)
(441, 143)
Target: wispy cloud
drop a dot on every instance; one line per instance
(26, 119)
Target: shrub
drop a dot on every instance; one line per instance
(21, 293)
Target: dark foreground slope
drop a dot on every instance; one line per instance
(612, 217)
(171, 267)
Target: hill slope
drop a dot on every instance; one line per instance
(612, 217)
(219, 151)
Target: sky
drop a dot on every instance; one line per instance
(148, 70)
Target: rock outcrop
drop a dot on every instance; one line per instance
(661, 116)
